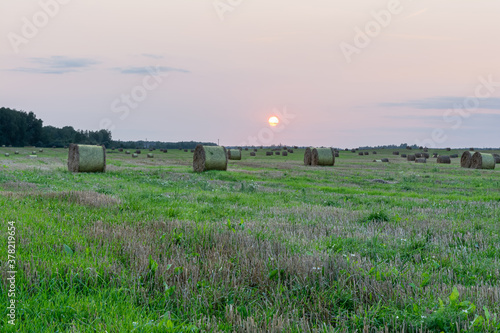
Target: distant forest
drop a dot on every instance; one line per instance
(19, 129)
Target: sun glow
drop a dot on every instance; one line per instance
(274, 121)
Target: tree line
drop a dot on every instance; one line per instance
(19, 129)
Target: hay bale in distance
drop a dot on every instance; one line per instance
(7, 154)
(374, 153)
(395, 153)
(420, 160)
(367, 153)
(377, 161)
(466, 160)
(16, 152)
(471, 149)
(277, 152)
(360, 154)
(425, 155)
(253, 154)
(185, 150)
(150, 155)
(40, 150)
(483, 161)
(269, 153)
(322, 157)
(234, 154)
(127, 152)
(308, 156)
(120, 150)
(385, 160)
(418, 155)
(209, 158)
(403, 155)
(448, 149)
(444, 160)
(86, 158)
(33, 152)
(137, 151)
(134, 155)
(411, 158)
(285, 153)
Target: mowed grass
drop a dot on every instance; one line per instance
(269, 245)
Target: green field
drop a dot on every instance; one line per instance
(269, 245)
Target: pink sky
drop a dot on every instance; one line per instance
(225, 68)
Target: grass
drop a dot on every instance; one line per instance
(269, 245)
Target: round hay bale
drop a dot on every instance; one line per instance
(134, 155)
(234, 154)
(403, 155)
(385, 160)
(322, 157)
(426, 150)
(185, 150)
(418, 155)
(290, 151)
(7, 154)
(285, 153)
(411, 158)
(127, 152)
(377, 161)
(466, 160)
(33, 152)
(435, 155)
(33, 156)
(420, 160)
(360, 154)
(408, 147)
(483, 161)
(120, 150)
(253, 154)
(448, 149)
(308, 156)
(277, 152)
(255, 150)
(395, 153)
(353, 150)
(40, 150)
(471, 149)
(137, 151)
(269, 153)
(444, 160)
(16, 152)
(86, 158)
(337, 154)
(150, 149)
(374, 153)
(151, 155)
(367, 153)
(425, 155)
(209, 158)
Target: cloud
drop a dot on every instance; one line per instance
(150, 70)
(444, 103)
(57, 65)
(154, 56)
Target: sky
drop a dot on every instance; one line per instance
(337, 73)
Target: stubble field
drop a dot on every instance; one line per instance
(269, 245)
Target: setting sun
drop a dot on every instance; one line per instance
(273, 121)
